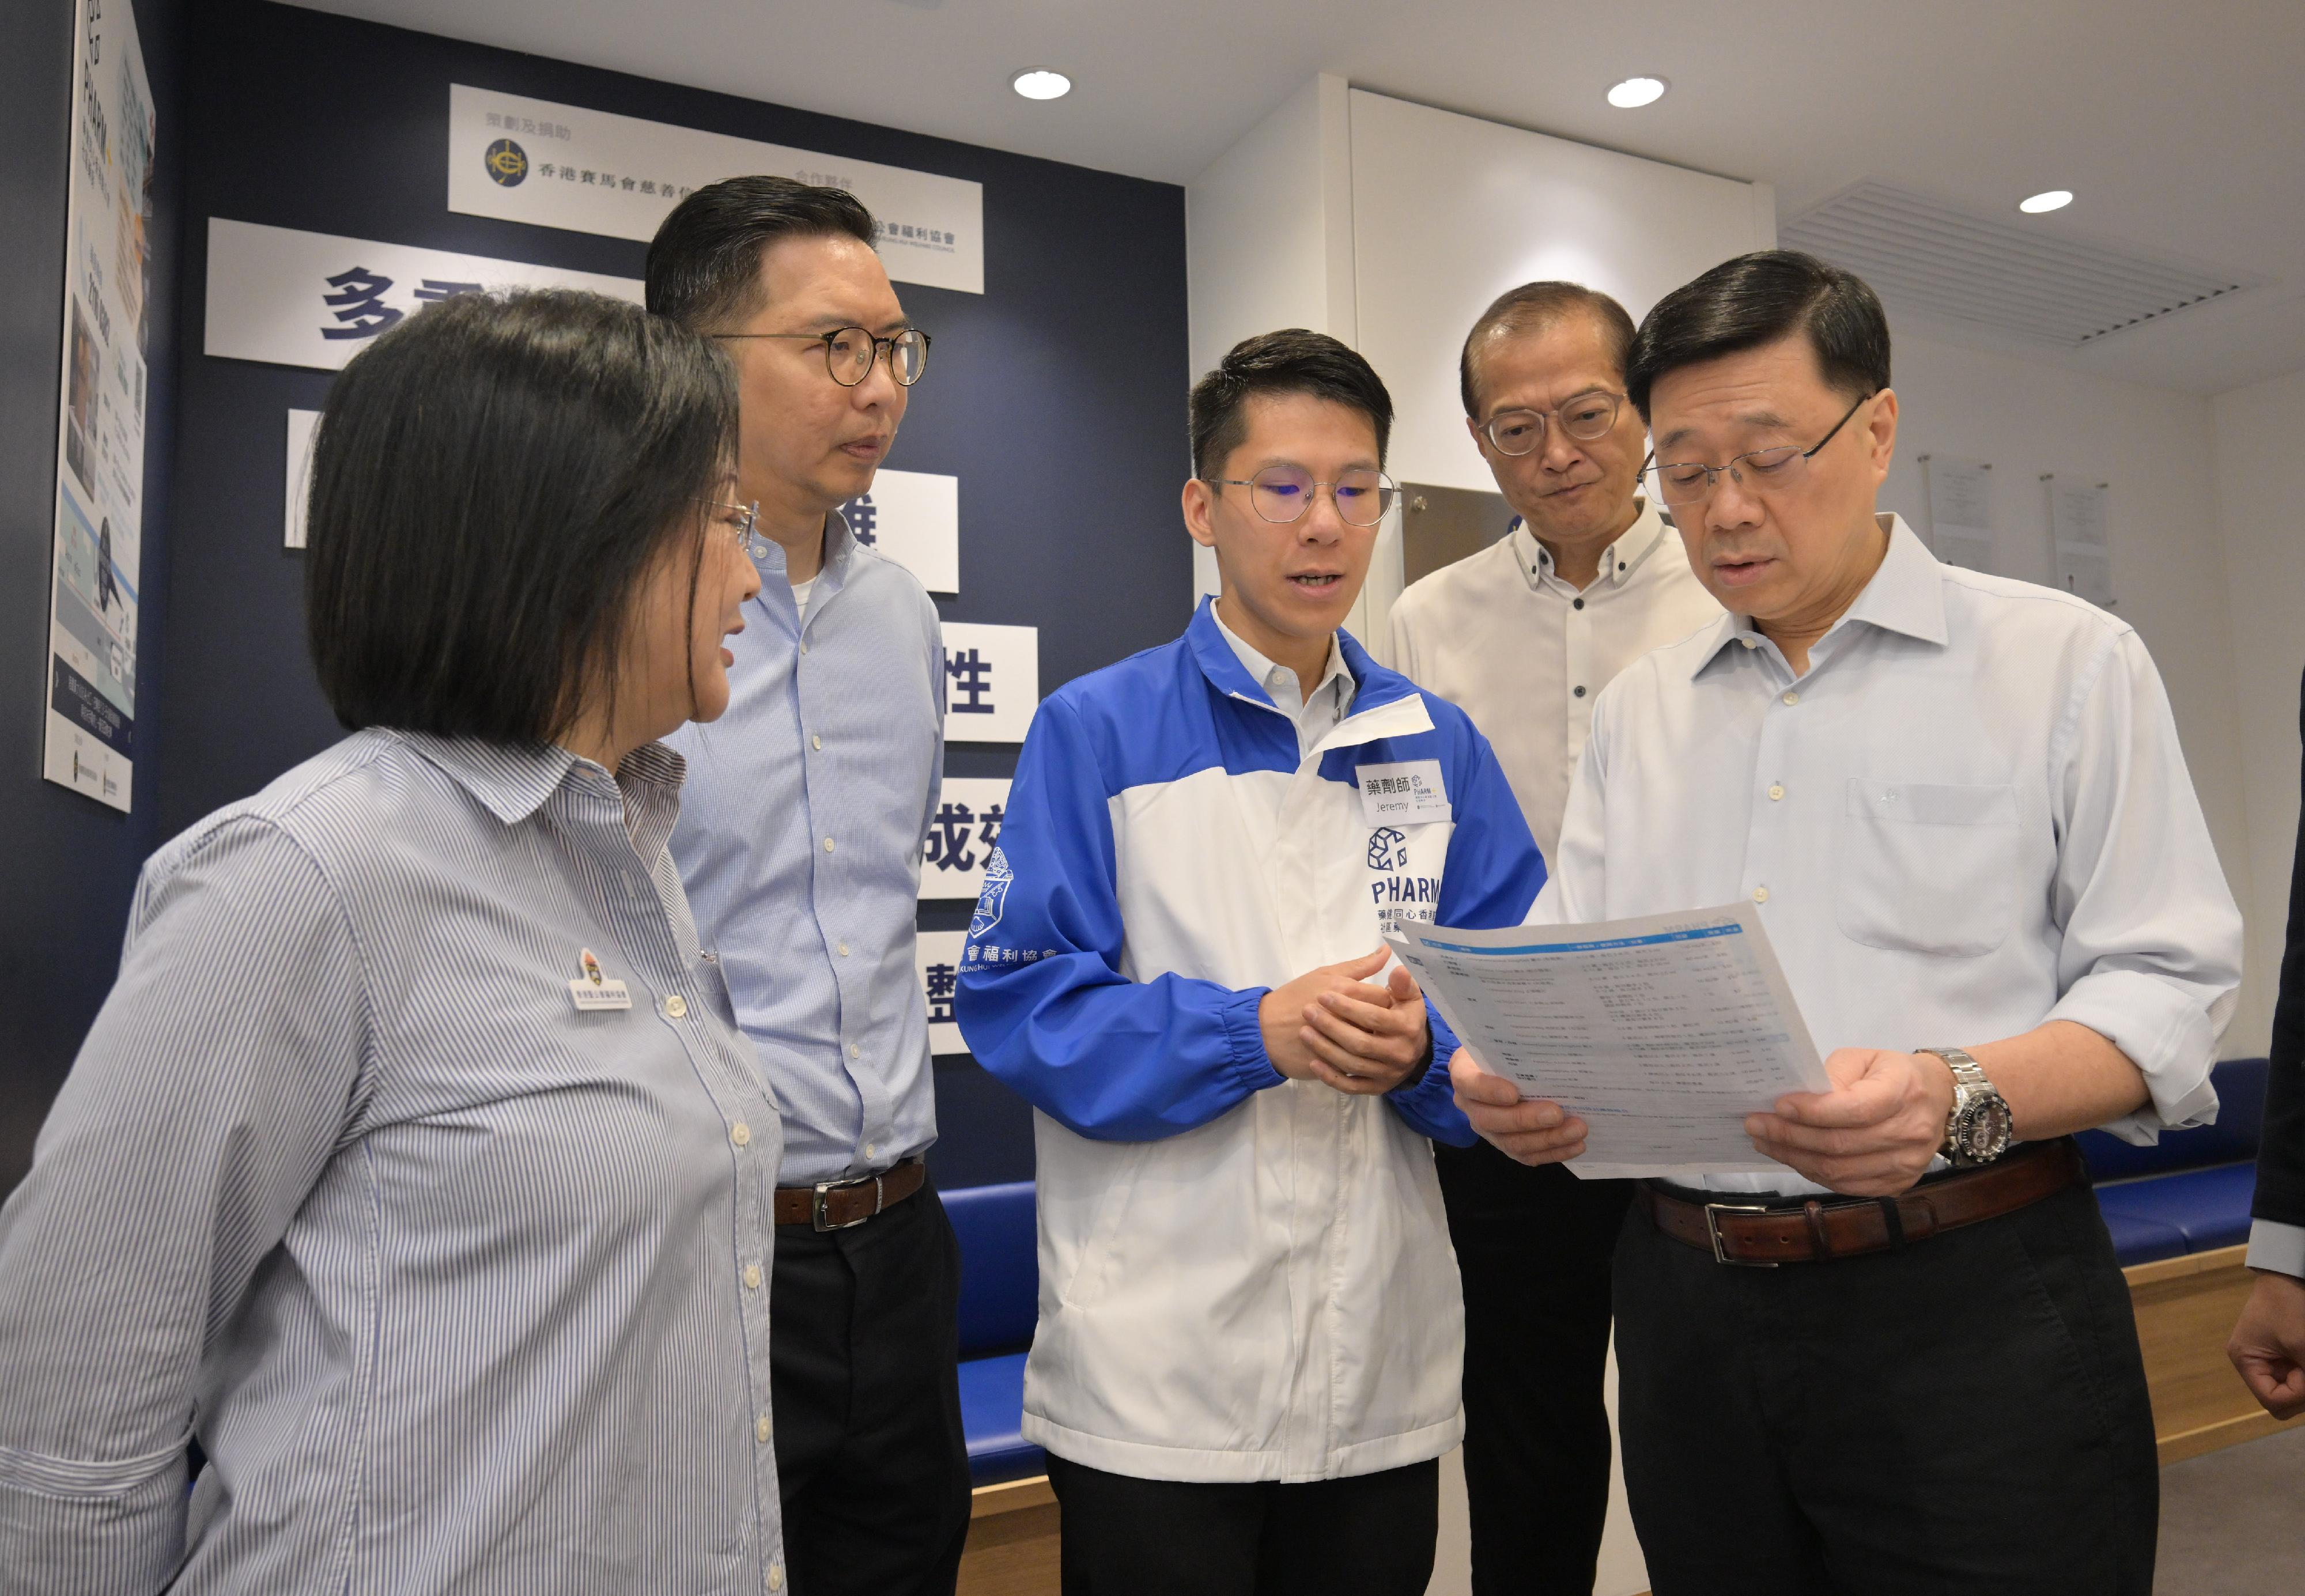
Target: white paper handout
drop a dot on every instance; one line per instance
(1662, 1034)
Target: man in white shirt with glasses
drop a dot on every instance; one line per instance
(1906, 1360)
(1523, 636)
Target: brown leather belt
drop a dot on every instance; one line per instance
(838, 1204)
(1820, 1229)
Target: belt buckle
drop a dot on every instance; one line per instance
(1712, 1212)
(824, 1188)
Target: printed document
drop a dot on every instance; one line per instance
(1660, 1034)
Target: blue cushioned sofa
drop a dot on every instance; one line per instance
(2190, 1192)
(999, 1299)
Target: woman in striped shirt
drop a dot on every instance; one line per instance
(415, 1168)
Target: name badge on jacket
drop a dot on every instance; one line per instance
(1411, 792)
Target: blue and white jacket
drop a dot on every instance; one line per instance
(1242, 1277)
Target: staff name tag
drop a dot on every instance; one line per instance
(1411, 792)
(590, 995)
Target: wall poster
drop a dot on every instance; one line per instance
(555, 165)
(99, 529)
(2083, 552)
(1959, 494)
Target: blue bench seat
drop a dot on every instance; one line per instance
(2190, 1191)
(999, 1302)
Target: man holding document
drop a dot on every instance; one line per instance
(1894, 1352)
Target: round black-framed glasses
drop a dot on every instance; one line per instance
(850, 351)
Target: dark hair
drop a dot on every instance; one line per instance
(705, 263)
(1533, 305)
(1757, 299)
(1291, 362)
(493, 479)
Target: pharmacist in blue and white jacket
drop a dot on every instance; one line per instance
(1250, 1326)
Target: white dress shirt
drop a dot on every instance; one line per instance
(1970, 816)
(1313, 717)
(1503, 637)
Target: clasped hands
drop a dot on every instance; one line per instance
(1872, 1136)
(1335, 1026)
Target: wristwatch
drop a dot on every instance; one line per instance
(1978, 1130)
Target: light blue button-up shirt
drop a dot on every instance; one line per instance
(1969, 816)
(800, 842)
(458, 1276)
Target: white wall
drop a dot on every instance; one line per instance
(2259, 427)
(2158, 450)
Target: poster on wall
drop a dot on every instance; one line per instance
(291, 298)
(936, 960)
(2084, 551)
(991, 682)
(90, 674)
(1959, 495)
(962, 835)
(555, 165)
(913, 518)
(301, 424)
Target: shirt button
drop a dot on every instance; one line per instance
(762, 1430)
(872, 1149)
(776, 1576)
(855, 1051)
(675, 1007)
(804, 648)
(827, 841)
(1580, 693)
(844, 950)
(816, 742)
(1777, 791)
(741, 1134)
(1760, 895)
(1577, 604)
(752, 1277)
(1790, 697)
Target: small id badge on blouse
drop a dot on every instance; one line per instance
(593, 990)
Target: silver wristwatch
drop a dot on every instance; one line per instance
(1978, 1130)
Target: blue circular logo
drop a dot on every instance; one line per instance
(506, 162)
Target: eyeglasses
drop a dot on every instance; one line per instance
(849, 353)
(1586, 417)
(742, 523)
(1283, 493)
(1687, 482)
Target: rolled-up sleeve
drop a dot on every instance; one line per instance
(210, 1093)
(2151, 953)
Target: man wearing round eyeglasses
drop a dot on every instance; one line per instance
(1245, 1366)
(1904, 1359)
(1523, 636)
(799, 841)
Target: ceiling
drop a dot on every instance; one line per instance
(2179, 127)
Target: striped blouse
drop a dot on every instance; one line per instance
(457, 1271)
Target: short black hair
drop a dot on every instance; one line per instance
(1289, 361)
(493, 481)
(1757, 299)
(1534, 305)
(705, 263)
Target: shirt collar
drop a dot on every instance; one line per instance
(840, 548)
(1620, 562)
(514, 780)
(1260, 669)
(1906, 596)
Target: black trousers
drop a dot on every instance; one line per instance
(1369, 1535)
(863, 1354)
(1968, 1414)
(1534, 1247)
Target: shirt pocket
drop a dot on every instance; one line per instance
(1927, 867)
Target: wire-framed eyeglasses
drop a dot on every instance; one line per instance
(849, 353)
(1281, 494)
(1690, 481)
(741, 523)
(1588, 416)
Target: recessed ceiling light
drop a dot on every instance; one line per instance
(1041, 82)
(1636, 91)
(2054, 199)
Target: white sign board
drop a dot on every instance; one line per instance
(991, 682)
(555, 165)
(311, 299)
(301, 425)
(936, 960)
(2084, 549)
(1959, 494)
(913, 518)
(962, 835)
(89, 670)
